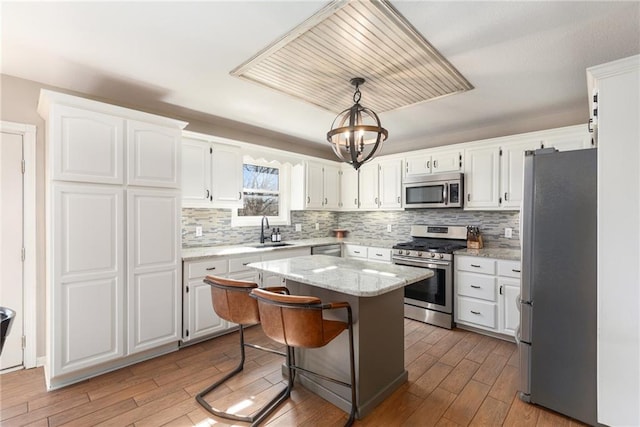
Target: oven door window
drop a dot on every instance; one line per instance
(424, 194)
(432, 290)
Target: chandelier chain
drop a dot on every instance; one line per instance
(357, 95)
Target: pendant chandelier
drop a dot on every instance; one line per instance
(356, 134)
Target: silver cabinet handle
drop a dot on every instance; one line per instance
(326, 201)
(208, 193)
(356, 252)
(475, 286)
(475, 312)
(376, 201)
(210, 268)
(239, 195)
(515, 271)
(475, 265)
(505, 197)
(398, 199)
(378, 254)
(468, 197)
(435, 164)
(355, 201)
(308, 199)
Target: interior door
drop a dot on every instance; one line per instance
(11, 242)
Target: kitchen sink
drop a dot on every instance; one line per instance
(273, 245)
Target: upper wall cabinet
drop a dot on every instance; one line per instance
(349, 188)
(153, 155)
(381, 185)
(315, 185)
(433, 162)
(211, 172)
(494, 168)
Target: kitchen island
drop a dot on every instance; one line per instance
(375, 292)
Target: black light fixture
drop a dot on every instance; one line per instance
(356, 134)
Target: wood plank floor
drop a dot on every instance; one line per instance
(456, 378)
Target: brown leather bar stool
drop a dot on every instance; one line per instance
(232, 302)
(297, 321)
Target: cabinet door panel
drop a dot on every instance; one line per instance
(510, 312)
(153, 228)
(203, 319)
(418, 165)
(390, 184)
(512, 167)
(88, 229)
(196, 173)
(314, 182)
(88, 324)
(331, 187)
(349, 188)
(446, 162)
(153, 155)
(369, 186)
(89, 146)
(227, 175)
(481, 180)
(153, 309)
(154, 268)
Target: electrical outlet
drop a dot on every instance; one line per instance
(508, 232)
(389, 228)
(298, 227)
(198, 231)
(317, 226)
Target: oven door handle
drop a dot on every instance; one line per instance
(411, 263)
(445, 193)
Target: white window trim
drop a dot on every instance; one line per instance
(285, 198)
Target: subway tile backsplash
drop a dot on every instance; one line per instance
(217, 230)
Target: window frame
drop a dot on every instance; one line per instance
(284, 218)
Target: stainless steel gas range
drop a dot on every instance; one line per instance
(432, 246)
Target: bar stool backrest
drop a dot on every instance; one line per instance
(295, 320)
(231, 300)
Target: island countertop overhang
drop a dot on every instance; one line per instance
(349, 276)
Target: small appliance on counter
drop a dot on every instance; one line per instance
(474, 238)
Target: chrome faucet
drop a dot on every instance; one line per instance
(264, 219)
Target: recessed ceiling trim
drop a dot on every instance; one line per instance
(316, 60)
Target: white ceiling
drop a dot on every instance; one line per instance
(526, 60)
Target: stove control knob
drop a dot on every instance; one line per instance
(419, 253)
(399, 252)
(441, 256)
(433, 255)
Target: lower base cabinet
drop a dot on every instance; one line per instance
(200, 321)
(486, 294)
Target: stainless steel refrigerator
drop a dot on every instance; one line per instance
(558, 300)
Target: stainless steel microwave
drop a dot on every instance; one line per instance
(433, 191)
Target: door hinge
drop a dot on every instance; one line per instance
(186, 332)
(24, 166)
(23, 254)
(500, 289)
(210, 150)
(187, 289)
(501, 151)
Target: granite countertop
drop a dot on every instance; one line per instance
(349, 276)
(499, 253)
(194, 253)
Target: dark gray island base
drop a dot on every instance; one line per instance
(375, 292)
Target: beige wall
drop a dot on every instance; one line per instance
(19, 101)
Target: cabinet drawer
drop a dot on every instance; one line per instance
(509, 268)
(476, 285)
(355, 251)
(479, 312)
(379, 254)
(240, 264)
(476, 264)
(216, 267)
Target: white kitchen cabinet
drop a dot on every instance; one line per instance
(381, 185)
(379, 254)
(87, 284)
(315, 185)
(433, 162)
(512, 172)
(494, 168)
(90, 145)
(355, 251)
(101, 308)
(349, 188)
(199, 318)
(486, 292)
(153, 157)
(482, 174)
(154, 263)
(211, 172)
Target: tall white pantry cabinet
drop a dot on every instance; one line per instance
(113, 236)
